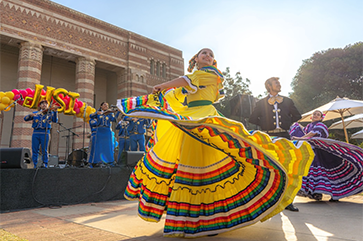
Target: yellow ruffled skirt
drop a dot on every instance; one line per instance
(210, 175)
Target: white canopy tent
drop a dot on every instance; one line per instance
(337, 108)
(355, 121)
(358, 135)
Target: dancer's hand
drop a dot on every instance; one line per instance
(157, 88)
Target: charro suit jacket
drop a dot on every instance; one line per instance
(264, 116)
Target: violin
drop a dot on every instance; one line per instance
(48, 109)
(108, 111)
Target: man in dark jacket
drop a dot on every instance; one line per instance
(275, 114)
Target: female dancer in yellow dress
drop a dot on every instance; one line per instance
(207, 172)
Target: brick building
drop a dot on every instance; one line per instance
(46, 43)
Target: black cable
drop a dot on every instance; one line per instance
(42, 204)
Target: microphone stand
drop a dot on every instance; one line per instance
(67, 136)
(46, 129)
(122, 161)
(84, 133)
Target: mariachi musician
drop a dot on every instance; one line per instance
(104, 139)
(137, 129)
(42, 125)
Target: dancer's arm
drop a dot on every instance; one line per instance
(310, 134)
(178, 82)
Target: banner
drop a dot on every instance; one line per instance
(66, 101)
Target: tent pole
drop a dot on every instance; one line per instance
(345, 130)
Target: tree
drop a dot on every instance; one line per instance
(233, 86)
(328, 74)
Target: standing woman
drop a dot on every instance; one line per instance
(337, 169)
(103, 140)
(206, 172)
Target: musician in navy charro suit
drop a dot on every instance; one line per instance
(42, 125)
(123, 137)
(104, 140)
(137, 129)
(275, 114)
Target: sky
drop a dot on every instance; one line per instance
(260, 39)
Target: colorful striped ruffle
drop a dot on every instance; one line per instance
(296, 130)
(152, 106)
(213, 70)
(151, 141)
(339, 174)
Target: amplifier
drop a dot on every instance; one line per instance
(130, 158)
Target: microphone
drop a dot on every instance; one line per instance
(20, 98)
(113, 106)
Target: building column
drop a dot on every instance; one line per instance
(122, 90)
(29, 72)
(85, 84)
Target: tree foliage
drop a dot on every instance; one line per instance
(233, 86)
(328, 74)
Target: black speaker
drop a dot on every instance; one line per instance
(130, 158)
(16, 158)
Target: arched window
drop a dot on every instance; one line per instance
(152, 67)
(164, 71)
(158, 68)
(142, 79)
